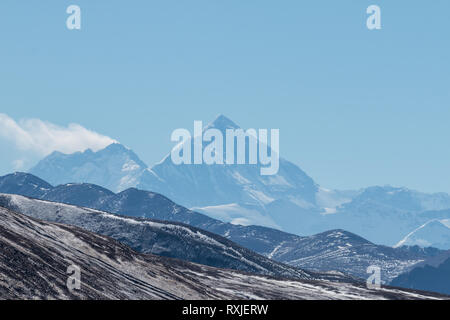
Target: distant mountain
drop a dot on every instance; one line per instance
(348, 253)
(289, 201)
(35, 257)
(239, 193)
(118, 168)
(431, 275)
(22, 183)
(115, 167)
(210, 185)
(434, 233)
(333, 250)
(387, 214)
(400, 199)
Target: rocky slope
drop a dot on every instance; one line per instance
(158, 237)
(35, 255)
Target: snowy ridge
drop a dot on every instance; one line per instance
(324, 252)
(433, 233)
(158, 237)
(111, 270)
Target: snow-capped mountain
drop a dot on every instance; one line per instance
(36, 256)
(386, 215)
(115, 167)
(238, 193)
(434, 233)
(334, 250)
(289, 201)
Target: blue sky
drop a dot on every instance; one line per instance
(354, 107)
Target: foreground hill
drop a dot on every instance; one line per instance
(35, 256)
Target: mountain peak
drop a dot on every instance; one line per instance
(115, 167)
(23, 183)
(116, 147)
(222, 123)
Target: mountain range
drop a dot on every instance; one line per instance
(336, 250)
(35, 257)
(163, 238)
(290, 201)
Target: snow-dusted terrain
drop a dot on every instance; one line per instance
(386, 215)
(159, 237)
(35, 256)
(433, 233)
(290, 200)
(348, 253)
(344, 251)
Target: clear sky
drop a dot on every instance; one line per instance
(354, 107)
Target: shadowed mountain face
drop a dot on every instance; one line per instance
(334, 250)
(26, 184)
(35, 256)
(432, 275)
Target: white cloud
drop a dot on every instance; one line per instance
(43, 137)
